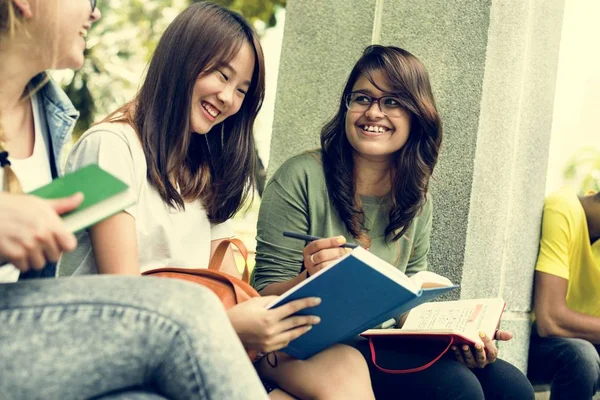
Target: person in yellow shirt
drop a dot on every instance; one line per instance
(566, 333)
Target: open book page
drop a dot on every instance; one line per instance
(420, 280)
(466, 317)
(428, 279)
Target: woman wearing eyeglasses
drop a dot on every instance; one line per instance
(93, 337)
(369, 184)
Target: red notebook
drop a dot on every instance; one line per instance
(460, 319)
(453, 322)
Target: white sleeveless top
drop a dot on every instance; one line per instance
(33, 172)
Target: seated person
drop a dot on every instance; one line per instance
(565, 336)
(369, 184)
(185, 146)
(89, 337)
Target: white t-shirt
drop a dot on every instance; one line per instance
(33, 172)
(165, 236)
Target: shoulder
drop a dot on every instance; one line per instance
(300, 166)
(428, 206)
(112, 131)
(564, 198)
(110, 137)
(110, 145)
(426, 211)
(564, 203)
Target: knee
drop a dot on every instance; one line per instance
(459, 382)
(580, 358)
(347, 375)
(349, 362)
(184, 303)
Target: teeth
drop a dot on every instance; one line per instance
(370, 128)
(213, 112)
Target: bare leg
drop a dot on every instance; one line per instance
(339, 372)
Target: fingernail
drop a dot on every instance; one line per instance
(341, 240)
(316, 320)
(481, 334)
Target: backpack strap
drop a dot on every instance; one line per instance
(219, 254)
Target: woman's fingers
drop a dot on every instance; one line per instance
(491, 351)
(468, 356)
(458, 355)
(503, 335)
(281, 340)
(328, 255)
(284, 311)
(480, 357)
(297, 321)
(320, 253)
(321, 244)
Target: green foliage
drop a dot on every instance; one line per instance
(254, 10)
(583, 169)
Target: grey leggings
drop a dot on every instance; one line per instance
(107, 336)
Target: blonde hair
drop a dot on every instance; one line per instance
(9, 20)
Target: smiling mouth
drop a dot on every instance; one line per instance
(374, 129)
(212, 111)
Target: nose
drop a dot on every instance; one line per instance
(374, 111)
(225, 96)
(95, 15)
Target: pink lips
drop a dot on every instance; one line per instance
(206, 113)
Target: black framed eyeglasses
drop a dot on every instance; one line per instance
(389, 105)
(93, 4)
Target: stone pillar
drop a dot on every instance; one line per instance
(493, 67)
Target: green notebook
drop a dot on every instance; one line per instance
(104, 195)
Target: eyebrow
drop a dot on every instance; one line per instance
(369, 92)
(229, 67)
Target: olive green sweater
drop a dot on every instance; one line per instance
(296, 200)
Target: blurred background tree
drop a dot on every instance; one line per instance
(120, 46)
(583, 170)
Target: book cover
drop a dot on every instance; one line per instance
(461, 320)
(104, 195)
(358, 292)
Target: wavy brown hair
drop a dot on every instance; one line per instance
(218, 167)
(412, 165)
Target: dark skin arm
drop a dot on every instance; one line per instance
(552, 315)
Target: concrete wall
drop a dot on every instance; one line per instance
(493, 69)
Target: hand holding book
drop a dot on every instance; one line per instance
(480, 354)
(359, 291)
(27, 219)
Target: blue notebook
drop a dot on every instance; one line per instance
(359, 292)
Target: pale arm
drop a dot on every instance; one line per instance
(552, 315)
(114, 242)
(228, 266)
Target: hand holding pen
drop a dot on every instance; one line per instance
(320, 253)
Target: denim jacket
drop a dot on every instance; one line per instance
(60, 116)
(57, 111)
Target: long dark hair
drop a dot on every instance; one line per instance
(412, 165)
(218, 167)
